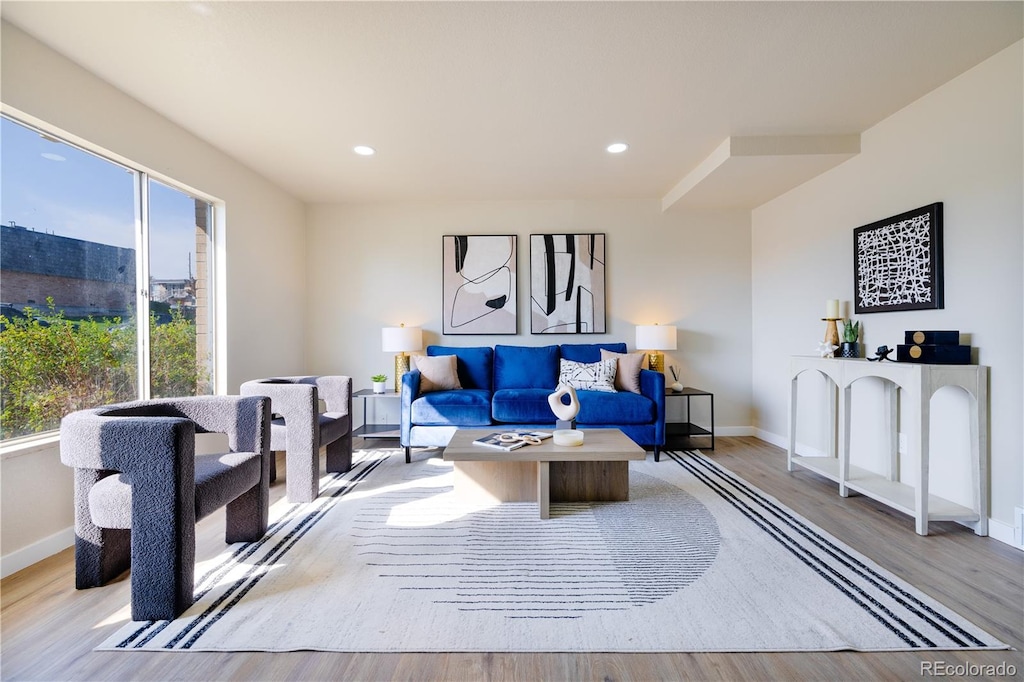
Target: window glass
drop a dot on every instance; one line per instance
(67, 281)
(179, 236)
(72, 233)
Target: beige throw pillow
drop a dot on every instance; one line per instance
(627, 375)
(437, 372)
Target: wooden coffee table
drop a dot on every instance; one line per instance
(598, 470)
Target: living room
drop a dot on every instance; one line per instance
(308, 282)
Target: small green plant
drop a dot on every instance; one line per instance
(379, 377)
(851, 331)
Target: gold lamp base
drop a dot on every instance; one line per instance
(656, 361)
(401, 367)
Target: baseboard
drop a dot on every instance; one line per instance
(37, 551)
(735, 431)
(783, 442)
(1002, 531)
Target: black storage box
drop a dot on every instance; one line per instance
(934, 354)
(944, 338)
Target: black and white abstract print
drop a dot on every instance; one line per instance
(479, 284)
(898, 262)
(567, 294)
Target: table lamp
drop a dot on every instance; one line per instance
(400, 340)
(654, 338)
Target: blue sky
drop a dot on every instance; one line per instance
(52, 187)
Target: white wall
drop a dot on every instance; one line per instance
(376, 265)
(263, 257)
(961, 145)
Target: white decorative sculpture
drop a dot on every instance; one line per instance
(564, 412)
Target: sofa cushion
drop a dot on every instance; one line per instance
(474, 364)
(588, 376)
(588, 352)
(467, 407)
(627, 373)
(438, 372)
(522, 406)
(526, 367)
(612, 409)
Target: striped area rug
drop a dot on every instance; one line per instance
(389, 558)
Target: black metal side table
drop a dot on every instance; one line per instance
(376, 430)
(687, 431)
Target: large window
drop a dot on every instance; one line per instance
(104, 283)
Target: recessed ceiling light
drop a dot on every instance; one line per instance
(363, 150)
(617, 147)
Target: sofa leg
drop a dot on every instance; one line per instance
(408, 454)
(657, 454)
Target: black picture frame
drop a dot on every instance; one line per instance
(897, 262)
(567, 283)
(478, 284)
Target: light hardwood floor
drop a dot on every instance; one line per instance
(49, 629)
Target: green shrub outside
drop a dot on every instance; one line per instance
(51, 366)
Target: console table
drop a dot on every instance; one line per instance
(917, 383)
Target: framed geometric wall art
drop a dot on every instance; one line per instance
(897, 262)
(567, 294)
(479, 284)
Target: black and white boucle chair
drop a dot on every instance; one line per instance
(140, 488)
(301, 430)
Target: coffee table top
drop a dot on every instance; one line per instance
(598, 445)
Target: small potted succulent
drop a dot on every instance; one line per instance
(850, 346)
(379, 382)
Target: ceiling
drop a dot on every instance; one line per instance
(518, 100)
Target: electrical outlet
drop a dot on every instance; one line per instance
(1018, 526)
(903, 443)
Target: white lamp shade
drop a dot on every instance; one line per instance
(401, 339)
(656, 337)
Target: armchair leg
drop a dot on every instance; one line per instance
(408, 455)
(303, 474)
(163, 562)
(657, 454)
(248, 515)
(101, 554)
(273, 466)
(339, 454)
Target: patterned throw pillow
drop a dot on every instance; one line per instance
(588, 376)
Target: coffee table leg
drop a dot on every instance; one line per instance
(544, 489)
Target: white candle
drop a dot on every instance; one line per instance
(832, 308)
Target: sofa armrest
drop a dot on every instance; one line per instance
(410, 390)
(652, 385)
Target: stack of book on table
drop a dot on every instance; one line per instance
(513, 440)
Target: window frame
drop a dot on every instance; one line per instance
(28, 443)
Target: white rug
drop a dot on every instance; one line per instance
(390, 559)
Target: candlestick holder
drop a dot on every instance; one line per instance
(831, 330)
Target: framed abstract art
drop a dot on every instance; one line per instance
(567, 294)
(897, 262)
(479, 284)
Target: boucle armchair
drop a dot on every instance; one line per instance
(140, 488)
(301, 430)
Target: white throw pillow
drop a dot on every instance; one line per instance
(627, 375)
(437, 372)
(588, 376)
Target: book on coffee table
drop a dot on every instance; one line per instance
(493, 440)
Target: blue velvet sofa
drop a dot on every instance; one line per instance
(508, 387)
